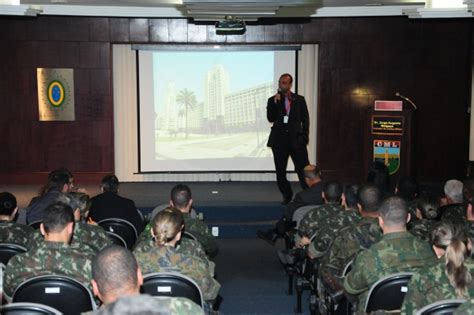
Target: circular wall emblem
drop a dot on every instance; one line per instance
(56, 93)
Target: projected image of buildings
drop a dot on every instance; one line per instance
(223, 124)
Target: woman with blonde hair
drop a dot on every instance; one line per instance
(166, 230)
(450, 278)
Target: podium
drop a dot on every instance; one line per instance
(390, 139)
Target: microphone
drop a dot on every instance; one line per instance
(406, 99)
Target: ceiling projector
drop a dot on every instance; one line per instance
(230, 26)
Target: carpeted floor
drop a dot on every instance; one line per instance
(252, 278)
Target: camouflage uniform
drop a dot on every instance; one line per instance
(200, 230)
(422, 228)
(48, 258)
(347, 243)
(89, 235)
(430, 285)
(315, 218)
(167, 259)
(185, 246)
(328, 231)
(453, 213)
(11, 232)
(146, 304)
(396, 252)
(466, 308)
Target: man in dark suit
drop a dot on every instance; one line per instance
(110, 205)
(312, 195)
(289, 135)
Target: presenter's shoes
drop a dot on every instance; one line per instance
(268, 236)
(286, 201)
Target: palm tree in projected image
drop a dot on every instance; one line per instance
(187, 100)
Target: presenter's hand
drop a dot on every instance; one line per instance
(277, 97)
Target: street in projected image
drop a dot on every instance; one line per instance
(212, 104)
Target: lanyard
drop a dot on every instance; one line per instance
(287, 104)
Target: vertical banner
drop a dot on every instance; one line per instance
(55, 94)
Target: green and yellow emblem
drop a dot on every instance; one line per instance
(388, 152)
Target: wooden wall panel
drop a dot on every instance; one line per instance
(360, 60)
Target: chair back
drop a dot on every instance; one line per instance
(172, 284)
(300, 213)
(388, 293)
(28, 309)
(443, 307)
(122, 228)
(63, 293)
(8, 250)
(189, 235)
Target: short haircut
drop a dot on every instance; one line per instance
(181, 195)
(312, 171)
(333, 191)
(407, 188)
(370, 197)
(428, 206)
(379, 176)
(286, 75)
(7, 203)
(114, 268)
(350, 192)
(453, 189)
(56, 217)
(110, 183)
(393, 211)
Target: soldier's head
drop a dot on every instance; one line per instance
(407, 188)
(453, 191)
(8, 207)
(110, 183)
(370, 197)
(350, 196)
(167, 227)
(393, 215)
(79, 202)
(115, 273)
(427, 207)
(312, 175)
(181, 198)
(58, 223)
(332, 192)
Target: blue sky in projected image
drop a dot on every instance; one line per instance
(187, 69)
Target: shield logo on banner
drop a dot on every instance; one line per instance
(388, 152)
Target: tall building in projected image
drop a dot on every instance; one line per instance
(216, 87)
(168, 115)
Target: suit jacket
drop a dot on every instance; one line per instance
(38, 205)
(110, 205)
(298, 120)
(309, 196)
